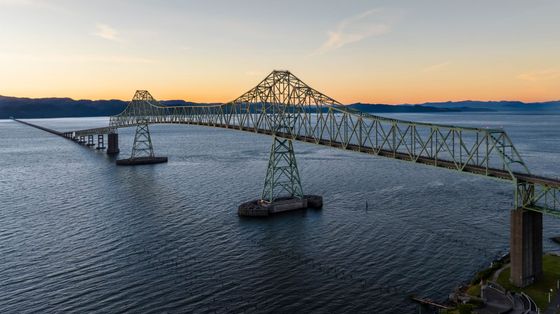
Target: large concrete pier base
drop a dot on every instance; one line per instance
(141, 161)
(526, 247)
(259, 208)
(113, 143)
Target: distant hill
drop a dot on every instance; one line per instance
(463, 106)
(67, 107)
(380, 108)
(497, 105)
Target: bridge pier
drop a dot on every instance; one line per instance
(90, 141)
(142, 149)
(526, 246)
(113, 143)
(100, 141)
(282, 188)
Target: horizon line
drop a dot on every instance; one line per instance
(352, 103)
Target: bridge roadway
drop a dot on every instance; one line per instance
(441, 163)
(41, 128)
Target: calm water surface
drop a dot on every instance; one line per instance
(79, 234)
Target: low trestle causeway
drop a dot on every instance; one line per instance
(42, 128)
(285, 108)
(86, 140)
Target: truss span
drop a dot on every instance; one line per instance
(284, 106)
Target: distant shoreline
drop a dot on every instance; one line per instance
(29, 108)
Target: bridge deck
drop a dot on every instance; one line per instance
(490, 172)
(40, 127)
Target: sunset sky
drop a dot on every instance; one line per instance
(213, 51)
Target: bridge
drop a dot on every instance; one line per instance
(287, 109)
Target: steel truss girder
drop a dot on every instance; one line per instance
(538, 197)
(284, 106)
(282, 174)
(142, 146)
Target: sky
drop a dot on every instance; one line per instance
(213, 51)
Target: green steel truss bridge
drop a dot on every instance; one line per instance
(287, 109)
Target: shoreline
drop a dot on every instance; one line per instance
(468, 296)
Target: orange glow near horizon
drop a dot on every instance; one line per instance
(379, 93)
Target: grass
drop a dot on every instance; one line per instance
(483, 275)
(539, 290)
(474, 290)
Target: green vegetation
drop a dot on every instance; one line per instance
(539, 290)
(474, 290)
(485, 274)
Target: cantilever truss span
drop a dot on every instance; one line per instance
(283, 106)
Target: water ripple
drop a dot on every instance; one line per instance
(79, 234)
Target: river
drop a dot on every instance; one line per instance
(79, 234)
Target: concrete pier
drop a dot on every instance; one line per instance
(141, 161)
(100, 142)
(113, 143)
(260, 208)
(90, 141)
(526, 246)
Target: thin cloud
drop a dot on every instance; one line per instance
(354, 29)
(437, 67)
(543, 75)
(106, 32)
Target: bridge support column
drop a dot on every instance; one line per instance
(90, 140)
(282, 174)
(526, 246)
(100, 141)
(142, 149)
(113, 143)
(282, 187)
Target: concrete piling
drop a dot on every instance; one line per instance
(100, 141)
(113, 143)
(90, 141)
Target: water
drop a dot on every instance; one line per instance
(79, 234)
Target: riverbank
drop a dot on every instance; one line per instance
(539, 290)
(469, 298)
